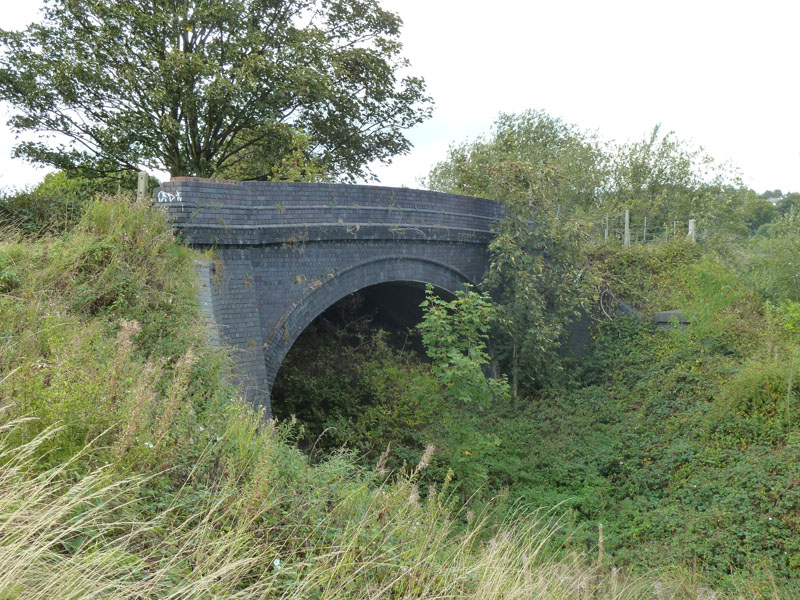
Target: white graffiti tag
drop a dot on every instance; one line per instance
(166, 197)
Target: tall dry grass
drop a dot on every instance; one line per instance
(254, 536)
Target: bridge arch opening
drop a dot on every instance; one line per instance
(325, 292)
(328, 375)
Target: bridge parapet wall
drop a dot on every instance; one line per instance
(242, 213)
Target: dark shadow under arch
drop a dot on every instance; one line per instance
(325, 293)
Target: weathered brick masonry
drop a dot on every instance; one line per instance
(288, 251)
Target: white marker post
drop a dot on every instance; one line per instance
(627, 228)
(692, 235)
(141, 188)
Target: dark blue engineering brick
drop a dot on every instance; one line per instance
(287, 251)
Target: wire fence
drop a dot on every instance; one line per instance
(631, 229)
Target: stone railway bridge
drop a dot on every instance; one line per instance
(288, 251)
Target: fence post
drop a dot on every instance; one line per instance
(627, 227)
(606, 238)
(141, 188)
(692, 230)
(644, 234)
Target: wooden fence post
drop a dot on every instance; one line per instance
(627, 227)
(606, 238)
(692, 230)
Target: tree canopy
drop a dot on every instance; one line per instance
(666, 178)
(522, 152)
(562, 169)
(535, 164)
(237, 88)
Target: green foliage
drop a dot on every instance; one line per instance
(100, 334)
(684, 443)
(354, 388)
(537, 279)
(699, 460)
(789, 313)
(282, 154)
(535, 156)
(9, 280)
(517, 157)
(758, 212)
(649, 433)
(534, 164)
(57, 203)
(788, 203)
(273, 526)
(210, 88)
(665, 178)
(775, 259)
(454, 333)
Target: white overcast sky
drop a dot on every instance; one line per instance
(721, 74)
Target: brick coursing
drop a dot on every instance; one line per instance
(287, 251)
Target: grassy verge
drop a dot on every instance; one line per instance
(274, 527)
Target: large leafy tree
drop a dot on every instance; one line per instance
(518, 157)
(243, 88)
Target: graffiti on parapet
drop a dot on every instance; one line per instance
(166, 197)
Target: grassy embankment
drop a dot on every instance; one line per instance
(684, 442)
(128, 468)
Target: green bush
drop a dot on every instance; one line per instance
(57, 203)
(700, 463)
(775, 267)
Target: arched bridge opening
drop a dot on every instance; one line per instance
(286, 252)
(320, 379)
(371, 277)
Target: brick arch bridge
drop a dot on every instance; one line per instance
(288, 251)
